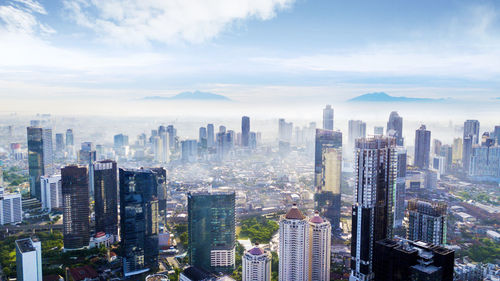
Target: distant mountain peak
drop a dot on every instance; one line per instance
(384, 97)
(196, 95)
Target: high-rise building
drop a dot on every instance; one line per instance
(427, 221)
(11, 209)
(87, 156)
(328, 118)
(29, 259)
(399, 203)
(436, 146)
(120, 141)
(471, 129)
(212, 230)
(165, 147)
(245, 131)
(60, 145)
(485, 162)
(161, 192)
(51, 192)
(294, 245)
(327, 179)
(138, 221)
(328, 199)
(210, 135)
(401, 260)
(76, 209)
(457, 150)
(496, 134)
(375, 172)
(224, 144)
(320, 234)
(285, 130)
(39, 157)
(69, 138)
(172, 137)
(189, 151)
(395, 127)
(106, 197)
(422, 147)
(467, 153)
(357, 129)
(256, 265)
(378, 131)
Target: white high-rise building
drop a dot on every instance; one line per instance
(11, 209)
(320, 235)
(29, 259)
(256, 265)
(294, 246)
(48, 154)
(51, 192)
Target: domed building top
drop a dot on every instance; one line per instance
(256, 251)
(316, 218)
(294, 213)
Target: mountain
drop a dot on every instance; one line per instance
(383, 97)
(196, 95)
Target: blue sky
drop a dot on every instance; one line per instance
(260, 50)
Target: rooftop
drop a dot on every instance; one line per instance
(25, 245)
(294, 214)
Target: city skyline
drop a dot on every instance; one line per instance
(424, 50)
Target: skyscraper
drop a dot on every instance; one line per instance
(427, 221)
(285, 130)
(320, 233)
(11, 209)
(29, 259)
(69, 138)
(457, 150)
(328, 118)
(401, 260)
(212, 230)
(327, 174)
(378, 131)
(256, 265)
(328, 199)
(138, 220)
(76, 209)
(51, 192)
(210, 135)
(245, 131)
(60, 145)
(106, 197)
(189, 151)
(39, 157)
(422, 147)
(87, 156)
(373, 211)
(496, 134)
(399, 204)
(395, 127)
(294, 243)
(471, 129)
(467, 153)
(357, 129)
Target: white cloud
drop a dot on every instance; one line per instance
(145, 21)
(19, 16)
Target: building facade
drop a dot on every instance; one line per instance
(427, 221)
(51, 192)
(29, 259)
(422, 147)
(245, 131)
(328, 118)
(395, 128)
(76, 209)
(212, 230)
(373, 210)
(138, 221)
(320, 235)
(294, 245)
(256, 265)
(106, 197)
(11, 209)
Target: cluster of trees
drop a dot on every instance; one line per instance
(182, 232)
(484, 250)
(14, 176)
(258, 229)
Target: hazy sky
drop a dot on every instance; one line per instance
(62, 54)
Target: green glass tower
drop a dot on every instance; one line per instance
(211, 230)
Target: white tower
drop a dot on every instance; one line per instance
(320, 235)
(29, 259)
(294, 246)
(257, 265)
